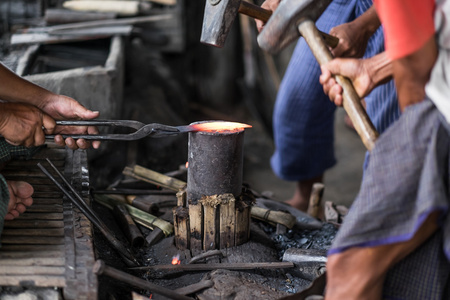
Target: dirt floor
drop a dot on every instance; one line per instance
(341, 182)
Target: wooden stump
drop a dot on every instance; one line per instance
(215, 222)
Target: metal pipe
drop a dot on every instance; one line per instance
(215, 163)
(128, 226)
(100, 268)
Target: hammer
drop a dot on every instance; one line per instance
(220, 14)
(293, 18)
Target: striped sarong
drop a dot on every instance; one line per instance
(303, 115)
(407, 178)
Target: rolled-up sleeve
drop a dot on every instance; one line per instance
(407, 24)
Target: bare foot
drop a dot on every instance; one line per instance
(19, 198)
(300, 200)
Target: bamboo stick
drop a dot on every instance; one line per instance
(155, 178)
(122, 8)
(209, 229)
(140, 217)
(242, 227)
(196, 226)
(315, 208)
(181, 198)
(227, 221)
(274, 217)
(164, 2)
(181, 227)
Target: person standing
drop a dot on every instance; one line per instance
(303, 119)
(395, 241)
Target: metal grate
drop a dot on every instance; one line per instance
(50, 245)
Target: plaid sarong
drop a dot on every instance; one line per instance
(407, 179)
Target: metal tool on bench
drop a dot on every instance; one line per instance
(220, 14)
(293, 18)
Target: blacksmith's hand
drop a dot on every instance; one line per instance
(352, 41)
(65, 108)
(23, 124)
(353, 69)
(269, 5)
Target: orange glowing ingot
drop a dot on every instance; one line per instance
(220, 126)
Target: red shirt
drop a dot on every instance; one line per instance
(407, 24)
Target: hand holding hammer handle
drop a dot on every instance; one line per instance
(352, 102)
(256, 12)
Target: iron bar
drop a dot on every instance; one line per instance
(89, 213)
(100, 268)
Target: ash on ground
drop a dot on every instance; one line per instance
(319, 239)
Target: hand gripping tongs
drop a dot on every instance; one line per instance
(142, 130)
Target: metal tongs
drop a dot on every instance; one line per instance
(142, 130)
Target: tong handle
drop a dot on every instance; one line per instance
(123, 123)
(155, 130)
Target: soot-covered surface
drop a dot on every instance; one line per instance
(265, 245)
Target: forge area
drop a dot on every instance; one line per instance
(156, 72)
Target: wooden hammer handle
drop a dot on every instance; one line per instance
(256, 12)
(351, 101)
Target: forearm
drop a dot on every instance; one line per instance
(379, 68)
(412, 72)
(368, 21)
(13, 88)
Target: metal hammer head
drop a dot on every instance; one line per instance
(218, 18)
(281, 29)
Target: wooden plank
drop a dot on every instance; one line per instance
(37, 261)
(227, 220)
(40, 216)
(32, 240)
(209, 230)
(196, 225)
(34, 254)
(242, 227)
(35, 270)
(33, 231)
(15, 165)
(31, 248)
(31, 173)
(33, 280)
(181, 227)
(35, 181)
(33, 224)
(44, 208)
(56, 200)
